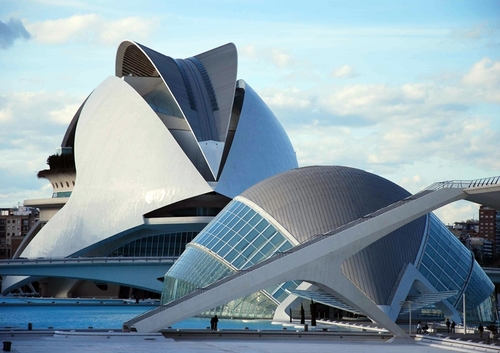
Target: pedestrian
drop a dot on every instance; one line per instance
(216, 320)
(419, 328)
(453, 326)
(480, 328)
(448, 323)
(212, 323)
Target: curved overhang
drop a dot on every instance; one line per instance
(258, 134)
(214, 71)
(121, 178)
(69, 137)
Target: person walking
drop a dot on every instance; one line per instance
(448, 323)
(453, 325)
(480, 328)
(216, 320)
(419, 328)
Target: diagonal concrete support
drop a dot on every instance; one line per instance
(318, 263)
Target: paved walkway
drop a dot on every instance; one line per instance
(24, 341)
(155, 344)
(243, 341)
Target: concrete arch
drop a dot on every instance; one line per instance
(306, 261)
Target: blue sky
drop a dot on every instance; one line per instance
(406, 90)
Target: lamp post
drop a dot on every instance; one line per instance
(465, 321)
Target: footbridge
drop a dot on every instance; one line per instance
(139, 272)
(306, 261)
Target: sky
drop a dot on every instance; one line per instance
(407, 90)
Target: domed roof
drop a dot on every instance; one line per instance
(313, 200)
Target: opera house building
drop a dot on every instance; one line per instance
(179, 159)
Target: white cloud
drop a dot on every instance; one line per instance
(383, 128)
(37, 121)
(35, 126)
(469, 33)
(414, 92)
(275, 56)
(457, 212)
(63, 116)
(290, 97)
(344, 71)
(91, 28)
(5, 114)
(485, 76)
(281, 58)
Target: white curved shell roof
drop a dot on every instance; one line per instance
(127, 164)
(136, 153)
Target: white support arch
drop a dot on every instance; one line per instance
(307, 262)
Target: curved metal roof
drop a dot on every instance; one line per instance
(260, 147)
(313, 200)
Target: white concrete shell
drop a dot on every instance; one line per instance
(163, 132)
(124, 171)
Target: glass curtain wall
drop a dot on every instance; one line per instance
(236, 239)
(448, 265)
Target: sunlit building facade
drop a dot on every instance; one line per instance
(159, 149)
(290, 208)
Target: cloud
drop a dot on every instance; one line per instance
(32, 125)
(484, 76)
(277, 57)
(64, 115)
(457, 212)
(470, 33)
(383, 128)
(34, 122)
(344, 71)
(289, 97)
(10, 31)
(91, 28)
(485, 73)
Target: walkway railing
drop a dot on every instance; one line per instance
(464, 184)
(70, 260)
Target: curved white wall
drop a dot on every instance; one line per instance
(127, 164)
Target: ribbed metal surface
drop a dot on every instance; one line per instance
(313, 200)
(260, 148)
(136, 63)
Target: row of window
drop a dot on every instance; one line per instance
(56, 186)
(2, 221)
(25, 222)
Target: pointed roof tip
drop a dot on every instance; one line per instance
(120, 51)
(228, 47)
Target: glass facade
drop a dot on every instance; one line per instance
(480, 301)
(61, 194)
(236, 239)
(242, 237)
(448, 265)
(160, 245)
(239, 237)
